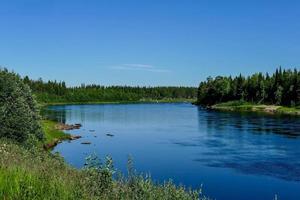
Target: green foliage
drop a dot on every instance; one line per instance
(278, 95)
(235, 103)
(282, 88)
(19, 118)
(35, 174)
(56, 92)
(98, 176)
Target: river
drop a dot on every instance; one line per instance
(230, 155)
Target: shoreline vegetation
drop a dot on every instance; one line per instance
(240, 106)
(278, 93)
(54, 133)
(37, 174)
(177, 100)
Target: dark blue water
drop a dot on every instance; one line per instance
(231, 155)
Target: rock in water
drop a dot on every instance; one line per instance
(86, 143)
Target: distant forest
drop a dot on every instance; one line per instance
(280, 88)
(56, 92)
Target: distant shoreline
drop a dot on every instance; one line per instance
(234, 106)
(119, 102)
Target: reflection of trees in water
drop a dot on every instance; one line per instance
(219, 121)
(120, 115)
(56, 115)
(229, 140)
(249, 122)
(288, 126)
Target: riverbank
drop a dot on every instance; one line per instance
(37, 174)
(42, 104)
(239, 106)
(54, 133)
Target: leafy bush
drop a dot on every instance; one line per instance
(19, 118)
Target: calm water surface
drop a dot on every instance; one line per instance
(232, 155)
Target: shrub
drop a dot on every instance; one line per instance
(19, 118)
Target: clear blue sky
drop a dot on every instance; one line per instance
(147, 42)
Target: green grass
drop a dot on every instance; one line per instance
(235, 103)
(20, 183)
(51, 133)
(289, 110)
(37, 174)
(242, 106)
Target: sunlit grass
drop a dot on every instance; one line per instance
(37, 174)
(248, 106)
(51, 132)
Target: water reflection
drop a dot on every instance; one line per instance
(250, 122)
(58, 115)
(247, 143)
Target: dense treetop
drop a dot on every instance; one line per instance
(19, 118)
(280, 88)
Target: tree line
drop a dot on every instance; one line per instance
(280, 88)
(54, 91)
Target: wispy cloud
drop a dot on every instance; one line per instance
(139, 67)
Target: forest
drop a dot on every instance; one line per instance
(280, 88)
(58, 92)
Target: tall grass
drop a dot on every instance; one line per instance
(37, 174)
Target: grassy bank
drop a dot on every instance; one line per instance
(36, 174)
(52, 134)
(242, 106)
